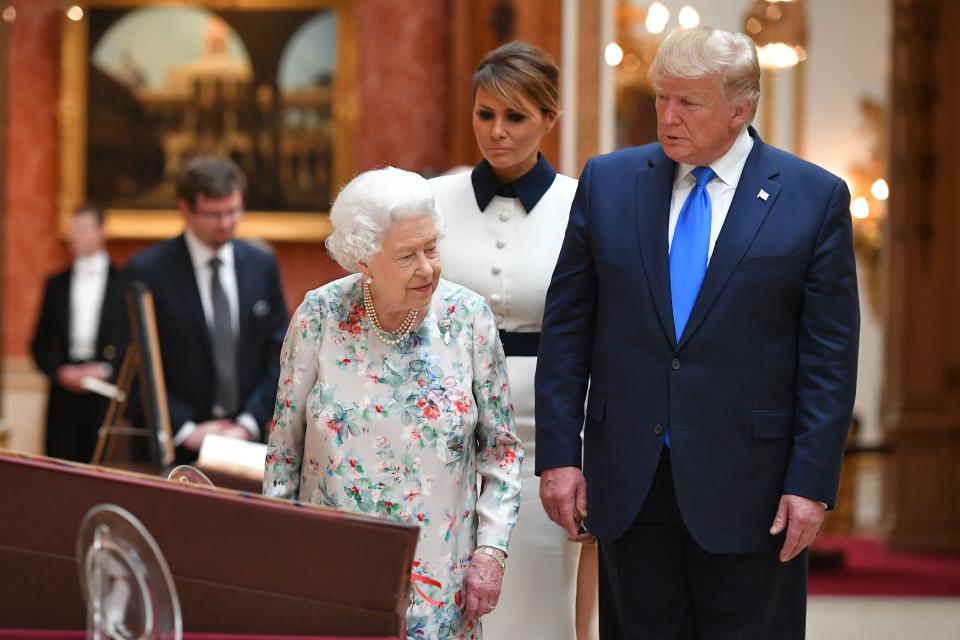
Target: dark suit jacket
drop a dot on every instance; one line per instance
(185, 345)
(73, 419)
(759, 391)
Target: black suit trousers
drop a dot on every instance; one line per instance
(73, 424)
(657, 583)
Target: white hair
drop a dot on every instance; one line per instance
(703, 51)
(369, 204)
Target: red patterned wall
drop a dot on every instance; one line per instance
(32, 248)
(402, 84)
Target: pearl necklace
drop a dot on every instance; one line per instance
(402, 331)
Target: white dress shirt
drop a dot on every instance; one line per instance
(728, 168)
(88, 285)
(200, 256)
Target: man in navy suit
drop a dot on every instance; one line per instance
(220, 312)
(79, 335)
(706, 291)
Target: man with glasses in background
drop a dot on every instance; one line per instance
(220, 311)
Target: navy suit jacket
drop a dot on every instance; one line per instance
(759, 391)
(185, 344)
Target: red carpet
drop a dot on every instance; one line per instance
(868, 568)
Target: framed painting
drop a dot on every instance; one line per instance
(146, 85)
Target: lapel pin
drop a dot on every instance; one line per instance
(763, 195)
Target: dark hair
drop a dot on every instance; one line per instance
(520, 69)
(93, 208)
(209, 176)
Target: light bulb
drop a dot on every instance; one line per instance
(688, 17)
(657, 18)
(860, 208)
(613, 54)
(879, 189)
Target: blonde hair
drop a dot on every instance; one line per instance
(369, 205)
(520, 69)
(703, 51)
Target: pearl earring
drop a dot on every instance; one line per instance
(369, 279)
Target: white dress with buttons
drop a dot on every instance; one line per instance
(508, 256)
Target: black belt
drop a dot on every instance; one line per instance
(519, 344)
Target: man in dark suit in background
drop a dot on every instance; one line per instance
(220, 310)
(79, 335)
(706, 289)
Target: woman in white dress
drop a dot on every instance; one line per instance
(393, 398)
(506, 221)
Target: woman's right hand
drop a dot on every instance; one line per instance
(481, 587)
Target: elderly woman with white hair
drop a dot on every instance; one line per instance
(393, 397)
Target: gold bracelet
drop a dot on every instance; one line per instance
(493, 552)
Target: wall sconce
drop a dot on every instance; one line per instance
(635, 27)
(779, 27)
(635, 41)
(640, 28)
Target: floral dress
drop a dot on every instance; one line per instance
(402, 431)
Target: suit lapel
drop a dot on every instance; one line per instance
(186, 282)
(654, 191)
(65, 318)
(747, 212)
(108, 320)
(244, 273)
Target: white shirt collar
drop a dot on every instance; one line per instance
(201, 254)
(729, 166)
(94, 263)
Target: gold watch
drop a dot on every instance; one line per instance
(497, 554)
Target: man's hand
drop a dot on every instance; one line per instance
(70, 375)
(563, 492)
(195, 439)
(234, 430)
(802, 518)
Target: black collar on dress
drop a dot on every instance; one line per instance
(529, 187)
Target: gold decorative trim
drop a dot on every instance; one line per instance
(800, 108)
(152, 224)
(72, 118)
(269, 225)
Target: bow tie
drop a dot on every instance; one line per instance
(507, 191)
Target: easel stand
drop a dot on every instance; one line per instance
(141, 360)
(112, 421)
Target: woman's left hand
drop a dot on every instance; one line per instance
(481, 587)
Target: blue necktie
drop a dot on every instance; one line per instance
(688, 253)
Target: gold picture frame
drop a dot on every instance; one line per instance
(133, 222)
